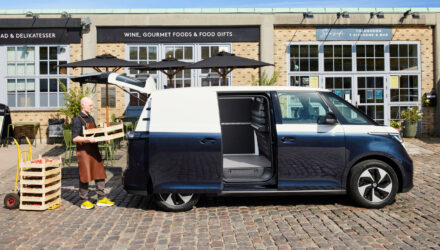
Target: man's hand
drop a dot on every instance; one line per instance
(92, 139)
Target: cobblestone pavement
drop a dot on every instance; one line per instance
(281, 222)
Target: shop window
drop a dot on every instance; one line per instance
(304, 58)
(337, 58)
(182, 53)
(371, 97)
(300, 81)
(403, 57)
(407, 89)
(370, 57)
(52, 92)
(375, 112)
(341, 86)
(143, 55)
(370, 89)
(111, 97)
(49, 59)
(29, 86)
(396, 112)
(137, 99)
(209, 77)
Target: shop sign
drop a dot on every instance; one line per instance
(177, 34)
(354, 34)
(40, 36)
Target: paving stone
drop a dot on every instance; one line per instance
(278, 222)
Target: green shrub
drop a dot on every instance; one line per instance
(411, 114)
(72, 96)
(265, 80)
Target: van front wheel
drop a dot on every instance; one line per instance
(176, 202)
(373, 184)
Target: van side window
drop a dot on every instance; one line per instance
(301, 107)
(351, 115)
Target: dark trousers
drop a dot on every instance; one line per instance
(84, 189)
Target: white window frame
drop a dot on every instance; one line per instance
(387, 73)
(4, 75)
(160, 78)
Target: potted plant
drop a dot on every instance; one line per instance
(397, 125)
(411, 117)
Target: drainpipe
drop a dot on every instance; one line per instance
(267, 43)
(89, 50)
(437, 73)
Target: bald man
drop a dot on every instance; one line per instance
(90, 164)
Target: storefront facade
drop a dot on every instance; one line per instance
(381, 63)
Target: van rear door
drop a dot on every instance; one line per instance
(185, 142)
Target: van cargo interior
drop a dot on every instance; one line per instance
(247, 152)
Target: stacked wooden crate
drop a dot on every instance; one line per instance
(105, 133)
(40, 184)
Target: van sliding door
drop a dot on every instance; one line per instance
(185, 142)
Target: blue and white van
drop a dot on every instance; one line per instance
(259, 140)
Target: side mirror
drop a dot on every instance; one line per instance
(330, 118)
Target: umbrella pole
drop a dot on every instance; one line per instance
(106, 102)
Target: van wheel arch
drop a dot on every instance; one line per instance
(380, 158)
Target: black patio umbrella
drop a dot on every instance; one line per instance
(103, 61)
(223, 63)
(169, 66)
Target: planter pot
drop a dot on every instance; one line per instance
(409, 129)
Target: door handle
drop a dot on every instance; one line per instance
(208, 140)
(288, 139)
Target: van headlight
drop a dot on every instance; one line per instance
(397, 137)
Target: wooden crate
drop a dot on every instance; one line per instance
(40, 184)
(105, 133)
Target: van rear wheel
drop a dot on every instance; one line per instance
(176, 202)
(373, 184)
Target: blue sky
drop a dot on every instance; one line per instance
(118, 4)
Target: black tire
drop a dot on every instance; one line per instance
(12, 201)
(176, 202)
(373, 184)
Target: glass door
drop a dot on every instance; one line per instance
(372, 97)
(341, 86)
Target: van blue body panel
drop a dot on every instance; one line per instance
(186, 162)
(362, 146)
(136, 175)
(312, 161)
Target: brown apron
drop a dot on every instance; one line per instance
(91, 166)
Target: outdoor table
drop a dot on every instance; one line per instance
(34, 125)
(127, 118)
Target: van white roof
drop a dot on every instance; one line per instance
(227, 89)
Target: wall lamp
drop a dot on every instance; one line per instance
(377, 14)
(85, 22)
(415, 15)
(344, 14)
(30, 14)
(65, 14)
(307, 15)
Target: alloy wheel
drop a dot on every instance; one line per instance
(375, 184)
(176, 199)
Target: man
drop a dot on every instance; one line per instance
(90, 163)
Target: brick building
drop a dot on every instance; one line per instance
(382, 60)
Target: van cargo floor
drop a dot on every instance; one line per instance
(245, 167)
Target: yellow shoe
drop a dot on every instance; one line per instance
(87, 205)
(104, 202)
